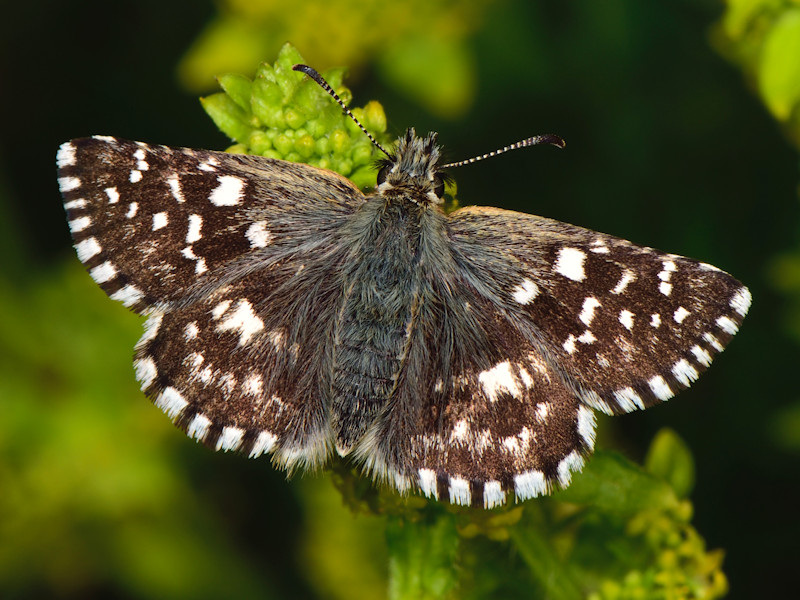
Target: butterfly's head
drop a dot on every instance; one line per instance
(411, 171)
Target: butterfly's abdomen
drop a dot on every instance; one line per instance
(372, 326)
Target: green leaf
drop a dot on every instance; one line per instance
(228, 116)
(238, 87)
(616, 485)
(422, 555)
(284, 114)
(670, 459)
(779, 76)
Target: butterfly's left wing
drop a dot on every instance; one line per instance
(229, 256)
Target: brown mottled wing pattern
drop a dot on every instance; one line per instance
(567, 320)
(206, 244)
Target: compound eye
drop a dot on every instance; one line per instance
(438, 186)
(384, 173)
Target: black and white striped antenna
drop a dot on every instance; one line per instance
(536, 140)
(547, 138)
(326, 86)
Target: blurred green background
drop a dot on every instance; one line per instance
(682, 126)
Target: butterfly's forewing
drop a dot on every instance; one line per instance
(627, 326)
(152, 223)
(223, 252)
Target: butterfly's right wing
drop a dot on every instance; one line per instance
(530, 325)
(222, 252)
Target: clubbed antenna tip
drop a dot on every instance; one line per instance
(547, 138)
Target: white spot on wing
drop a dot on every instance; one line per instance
(230, 439)
(655, 320)
(498, 379)
(243, 321)
(258, 235)
(684, 372)
(75, 204)
(136, 176)
(128, 295)
(701, 355)
(175, 188)
(113, 195)
(665, 288)
(587, 311)
(151, 327)
(570, 263)
(626, 318)
(160, 221)
(427, 483)
(460, 431)
(525, 292)
(190, 331)
(628, 400)
(195, 224)
(87, 249)
(626, 278)
(529, 485)
(133, 207)
(171, 402)
(660, 388)
(586, 425)
(572, 463)
(493, 494)
(741, 301)
(198, 428)
(229, 191)
(220, 309)
(264, 443)
(67, 184)
(253, 385)
(104, 272)
(459, 491)
(66, 155)
(680, 314)
(79, 224)
(713, 342)
(727, 325)
(146, 371)
(209, 165)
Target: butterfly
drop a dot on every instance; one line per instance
(460, 355)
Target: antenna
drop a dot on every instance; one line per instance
(326, 86)
(547, 138)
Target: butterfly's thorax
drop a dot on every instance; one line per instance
(382, 288)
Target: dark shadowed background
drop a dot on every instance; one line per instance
(668, 145)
